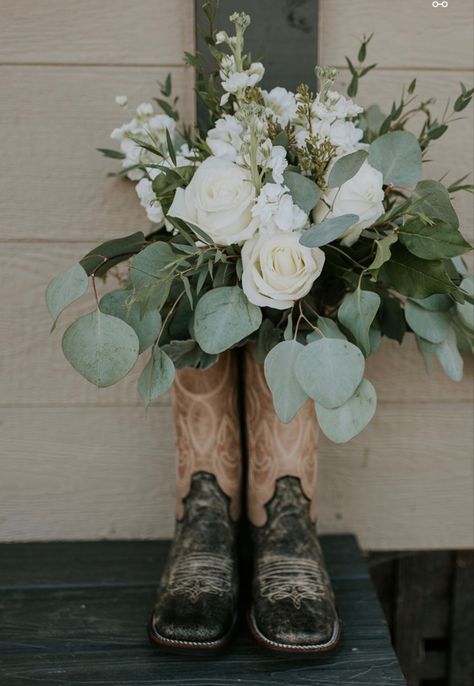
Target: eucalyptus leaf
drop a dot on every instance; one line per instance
(268, 336)
(357, 312)
(397, 155)
(279, 369)
(328, 328)
(450, 357)
(435, 303)
(428, 351)
(432, 326)
(188, 354)
(147, 327)
(392, 319)
(65, 288)
(346, 167)
(303, 190)
(432, 199)
(375, 339)
(328, 230)
(466, 309)
(151, 264)
(329, 370)
(438, 241)
(157, 377)
(383, 250)
(100, 347)
(342, 423)
(223, 317)
(412, 276)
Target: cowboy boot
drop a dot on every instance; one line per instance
(197, 596)
(293, 605)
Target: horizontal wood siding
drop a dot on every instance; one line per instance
(81, 463)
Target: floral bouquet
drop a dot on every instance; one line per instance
(295, 222)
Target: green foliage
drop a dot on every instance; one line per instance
(465, 310)
(342, 423)
(449, 357)
(329, 370)
(412, 276)
(288, 396)
(432, 200)
(328, 230)
(110, 253)
(398, 156)
(432, 241)
(431, 325)
(346, 167)
(100, 347)
(356, 313)
(187, 353)
(304, 192)
(152, 264)
(157, 377)
(223, 318)
(146, 325)
(65, 288)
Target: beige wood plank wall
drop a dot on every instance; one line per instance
(80, 463)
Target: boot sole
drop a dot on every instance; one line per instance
(294, 648)
(198, 648)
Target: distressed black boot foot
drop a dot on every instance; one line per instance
(293, 608)
(197, 596)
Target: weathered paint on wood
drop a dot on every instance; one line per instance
(79, 616)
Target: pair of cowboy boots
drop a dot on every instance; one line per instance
(293, 607)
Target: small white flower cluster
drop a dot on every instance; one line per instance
(148, 126)
(331, 120)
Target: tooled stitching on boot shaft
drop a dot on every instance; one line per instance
(275, 449)
(205, 404)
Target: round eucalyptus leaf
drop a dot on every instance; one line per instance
(223, 317)
(151, 264)
(346, 167)
(66, 287)
(330, 370)
(157, 377)
(305, 193)
(397, 155)
(450, 357)
(356, 313)
(147, 327)
(432, 326)
(279, 368)
(343, 423)
(100, 347)
(466, 309)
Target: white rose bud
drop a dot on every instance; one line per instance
(361, 195)
(278, 270)
(219, 200)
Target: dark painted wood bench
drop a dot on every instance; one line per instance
(75, 613)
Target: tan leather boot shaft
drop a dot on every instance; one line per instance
(275, 449)
(205, 404)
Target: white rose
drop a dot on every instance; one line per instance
(277, 269)
(218, 199)
(361, 195)
(281, 104)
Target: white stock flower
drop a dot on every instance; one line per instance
(121, 100)
(277, 162)
(149, 201)
(335, 106)
(144, 125)
(362, 195)
(281, 104)
(225, 139)
(276, 211)
(234, 81)
(218, 199)
(278, 270)
(345, 136)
